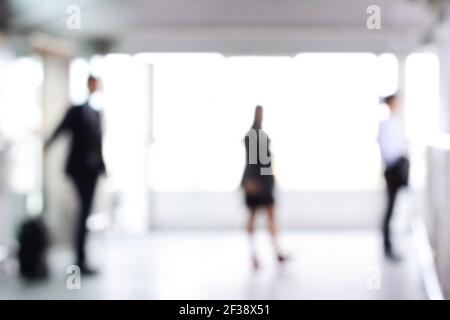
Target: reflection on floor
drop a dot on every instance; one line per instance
(215, 265)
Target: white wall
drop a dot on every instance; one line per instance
(5, 223)
(437, 217)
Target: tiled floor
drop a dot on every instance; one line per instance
(215, 265)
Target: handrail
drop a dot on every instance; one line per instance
(433, 288)
(426, 261)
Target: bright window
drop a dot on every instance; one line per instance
(321, 111)
(422, 95)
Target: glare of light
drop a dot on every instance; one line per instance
(387, 74)
(317, 107)
(96, 66)
(422, 95)
(21, 113)
(21, 119)
(78, 73)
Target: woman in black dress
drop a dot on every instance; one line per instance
(258, 183)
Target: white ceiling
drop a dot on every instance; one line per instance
(233, 26)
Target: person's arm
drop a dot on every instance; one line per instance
(64, 125)
(245, 174)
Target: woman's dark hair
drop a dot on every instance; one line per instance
(91, 78)
(388, 99)
(257, 124)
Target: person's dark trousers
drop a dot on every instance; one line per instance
(397, 176)
(392, 191)
(85, 187)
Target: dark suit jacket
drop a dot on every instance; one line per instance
(85, 154)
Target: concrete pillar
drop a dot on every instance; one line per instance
(58, 195)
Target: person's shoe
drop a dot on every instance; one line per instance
(282, 258)
(255, 264)
(392, 256)
(86, 271)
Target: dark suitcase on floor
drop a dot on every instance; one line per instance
(33, 246)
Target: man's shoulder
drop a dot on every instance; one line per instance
(76, 106)
(73, 112)
(73, 108)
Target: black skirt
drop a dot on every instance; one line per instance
(264, 195)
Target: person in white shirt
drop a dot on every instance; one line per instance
(393, 147)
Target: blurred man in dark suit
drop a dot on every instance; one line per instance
(84, 163)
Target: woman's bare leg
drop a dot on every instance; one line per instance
(251, 232)
(273, 229)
